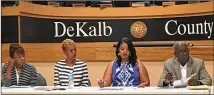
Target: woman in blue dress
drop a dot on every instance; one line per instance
(126, 70)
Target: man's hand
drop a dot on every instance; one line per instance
(168, 78)
(193, 82)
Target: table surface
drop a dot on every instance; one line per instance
(211, 90)
(96, 90)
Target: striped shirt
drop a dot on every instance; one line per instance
(80, 73)
(27, 77)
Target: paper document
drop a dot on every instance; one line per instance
(111, 88)
(201, 87)
(15, 86)
(182, 82)
(48, 88)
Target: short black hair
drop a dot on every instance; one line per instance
(132, 57)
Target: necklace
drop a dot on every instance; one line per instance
(19, 71)
(124, 66)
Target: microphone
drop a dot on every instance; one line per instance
(190, 45)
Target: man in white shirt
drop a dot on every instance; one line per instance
(183, 71)
(189, 70)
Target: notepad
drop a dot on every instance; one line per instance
(201, 87)
(15, 86)
(42, 88)
(46, 88)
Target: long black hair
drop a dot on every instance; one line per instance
(132, 56)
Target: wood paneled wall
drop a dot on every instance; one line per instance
(104, 51)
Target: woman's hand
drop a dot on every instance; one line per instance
(101, 83)
(11, 62)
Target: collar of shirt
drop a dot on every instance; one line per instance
(184, 67)
(17, 76)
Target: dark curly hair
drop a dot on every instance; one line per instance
(15, 48)
(132, 57)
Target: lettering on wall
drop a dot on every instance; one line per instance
(100, 30)
(45, 30)
(205, 28)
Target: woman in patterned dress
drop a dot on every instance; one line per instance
(125, 70)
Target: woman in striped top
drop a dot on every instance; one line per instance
(70, 65)
(16, 71)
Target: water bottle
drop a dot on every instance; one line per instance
(70, 81)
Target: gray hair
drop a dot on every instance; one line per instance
(178, 44)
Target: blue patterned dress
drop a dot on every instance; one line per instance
(125, 75)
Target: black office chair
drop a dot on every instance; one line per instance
(2, 84)
(40, 2)
(95, 4)
(89, 82)
(40, 80)
(70, 3)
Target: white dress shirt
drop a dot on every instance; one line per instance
(183, 81)
(183, 71)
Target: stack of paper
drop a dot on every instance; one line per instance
(15, 86)
(201, 87)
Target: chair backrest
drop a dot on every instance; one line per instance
(89, 82)
(168, 3)
(137, 4)
(40, 80)
(193, 1)
(55, 4)
(78, 5)
(106, 3)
